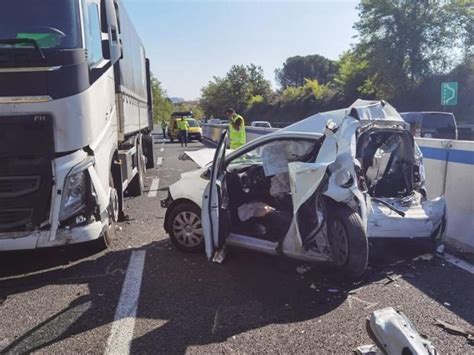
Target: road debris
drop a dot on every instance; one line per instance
(440, 249)
(456, 329)
(333, 290)
(303, 269)
(447, 304)
(393, 332)
(392, 278)
(424, 257)
(368, 350)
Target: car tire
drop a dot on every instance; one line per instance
(137, 185)
(348, 241)
(185, 228)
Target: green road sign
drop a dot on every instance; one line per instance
(449, 93)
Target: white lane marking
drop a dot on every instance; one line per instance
(159, 161)
(121, 335)
(154, 187)
(459, 263)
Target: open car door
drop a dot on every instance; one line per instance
(214, 236)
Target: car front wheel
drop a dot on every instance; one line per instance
(185, 227)
(348, 240)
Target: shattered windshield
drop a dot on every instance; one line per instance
(51, 23)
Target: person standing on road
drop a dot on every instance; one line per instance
(183, 127)
(237, 133)
(163, 127)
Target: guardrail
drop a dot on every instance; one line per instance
(449, 167)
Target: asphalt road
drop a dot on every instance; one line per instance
(79, 300)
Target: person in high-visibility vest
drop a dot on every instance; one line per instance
(237, 133)
(163, 127)
(183, 127)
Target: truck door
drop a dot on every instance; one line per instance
(214, 235)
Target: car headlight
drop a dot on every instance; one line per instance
(74, 195)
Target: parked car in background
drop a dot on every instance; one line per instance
(432, 124)
(261, 124)
(214, 121)
(317, 190)
(194, 132)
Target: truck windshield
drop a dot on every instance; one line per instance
(51, 23)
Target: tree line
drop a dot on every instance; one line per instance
(404, 50)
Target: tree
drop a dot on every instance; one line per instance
(236, 90)
(405, 41)
(353, 77)
(314, 67)
(162, 106)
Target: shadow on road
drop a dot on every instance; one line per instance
(194, 302)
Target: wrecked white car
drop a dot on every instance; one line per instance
(314, 191)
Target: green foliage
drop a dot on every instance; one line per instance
(162, 106)
(310, 90)
(235, 90)
(255, 100)
(405, 50)
(406, 41)
(297, 69)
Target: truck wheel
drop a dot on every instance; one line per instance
(348, 241)
(148, 151)
(185, 227)
(137, 185)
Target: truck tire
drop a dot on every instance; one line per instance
(137, 185)
(348, 241)
(185, 228)
(148, 151)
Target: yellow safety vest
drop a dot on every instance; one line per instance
(237, 137)
(183, 125)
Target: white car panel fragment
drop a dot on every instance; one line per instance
(395, 334)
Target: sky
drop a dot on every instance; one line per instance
(191, 41)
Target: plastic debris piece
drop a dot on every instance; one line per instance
(455, 329)
(447, 304)
(368, 350)
(392, 278)
(303, 269)
(424, 257)
(393, 332)
(312, 286)
(440, 249)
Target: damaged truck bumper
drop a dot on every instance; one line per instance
(42, 239)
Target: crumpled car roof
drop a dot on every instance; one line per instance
(367, 111)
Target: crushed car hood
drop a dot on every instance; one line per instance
(201, 157)
(367, 112)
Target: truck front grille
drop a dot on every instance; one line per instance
(15, 186)
(26, 171)
(15, 218)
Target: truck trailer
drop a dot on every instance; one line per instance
(75, 120)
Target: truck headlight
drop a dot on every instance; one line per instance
(74, 195)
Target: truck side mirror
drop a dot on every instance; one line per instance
(112, 48)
